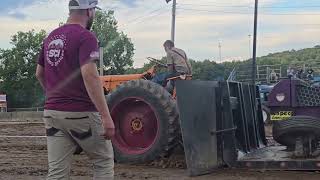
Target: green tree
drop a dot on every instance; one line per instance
(146, 66)
(202, 70)
(17, 69)
(207, 70)
(118, 48)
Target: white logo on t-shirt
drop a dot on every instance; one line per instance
(94, 54)
(55, 50)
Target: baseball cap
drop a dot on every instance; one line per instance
(83, 4)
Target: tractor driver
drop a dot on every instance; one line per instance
(177, 64)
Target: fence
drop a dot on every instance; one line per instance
(21, 116)
(34, 109)
(269, 74)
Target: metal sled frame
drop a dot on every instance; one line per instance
(222, 125)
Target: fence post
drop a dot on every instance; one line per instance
(268, 77)
(258, 75)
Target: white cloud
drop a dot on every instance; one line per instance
(12, 26)
(39, 15)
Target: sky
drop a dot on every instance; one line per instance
(201, 25)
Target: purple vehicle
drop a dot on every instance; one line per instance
(295, 111)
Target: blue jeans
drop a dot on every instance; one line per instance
(161, 78)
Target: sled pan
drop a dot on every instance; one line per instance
(198, 102)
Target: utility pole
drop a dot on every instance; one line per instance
(101, 59)
(254, 58)
(220, 56)
(249, 46)
(173, 25)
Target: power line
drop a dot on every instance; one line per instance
(145, 15)
(212, 11)
(289, 7)
(143, 18)
(274, 23)
(225, 3)
(212, 5)
(150, 17)
(248, 13)
(246, 6)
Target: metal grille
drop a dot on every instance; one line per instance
(308, 96)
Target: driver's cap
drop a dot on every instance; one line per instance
(83, 4)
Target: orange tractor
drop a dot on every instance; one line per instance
(145, 115)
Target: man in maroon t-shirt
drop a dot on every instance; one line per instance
(76, 113)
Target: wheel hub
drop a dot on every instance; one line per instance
(136, 125)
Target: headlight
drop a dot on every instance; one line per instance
(280, 97)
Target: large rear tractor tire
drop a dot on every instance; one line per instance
(146, 120)
(287, 131)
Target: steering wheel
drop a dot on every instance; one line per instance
(156, 61)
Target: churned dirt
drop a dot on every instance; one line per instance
(25, 158)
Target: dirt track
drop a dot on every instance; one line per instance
(25, 158)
